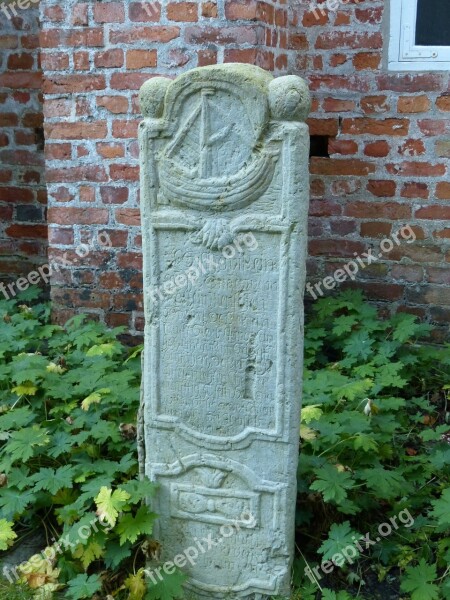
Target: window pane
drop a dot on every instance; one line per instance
(433, 23)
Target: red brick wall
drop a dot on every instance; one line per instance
(386, 136)
(388, 165)
(23, 230)
(95, 56)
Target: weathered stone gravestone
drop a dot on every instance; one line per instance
(224, 195)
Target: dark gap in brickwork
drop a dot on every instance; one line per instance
(29, 213)
(319, 146)
(39, 138)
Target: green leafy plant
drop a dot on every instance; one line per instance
(418, 580)
(15, 591)
(374, 443)
(374, 437)
(68, 457)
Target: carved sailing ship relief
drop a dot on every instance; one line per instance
(193, 171)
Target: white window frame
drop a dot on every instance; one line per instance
(404, 54)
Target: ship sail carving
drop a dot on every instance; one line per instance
(206, 183)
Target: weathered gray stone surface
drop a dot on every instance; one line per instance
(224, 196)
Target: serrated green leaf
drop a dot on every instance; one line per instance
(445, 588)
(16, 418)
(418, 581)
(94, 398)
(25, 389)
(18, 477)
(136, 585)
(354, 389)
(434, 434)
(386, 484)
(7, 535)
(344, 324)
(126, 463)
(306, 433)
(105, 430)
(22, 443)
(389, 377)
(359, 345)
(53, 480)
(83, 587)
(330, 595)
(440, 459)
(311, 413)
(441, 510)
(109, 504)
(405, 328)
(61, 443)
(103, 349)
(130, 528)
(139, 489)
(170, 588)
(332, 483)
(77, 533)
(116, 553)
(89, 553)
(339, 537)
(365, 442)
